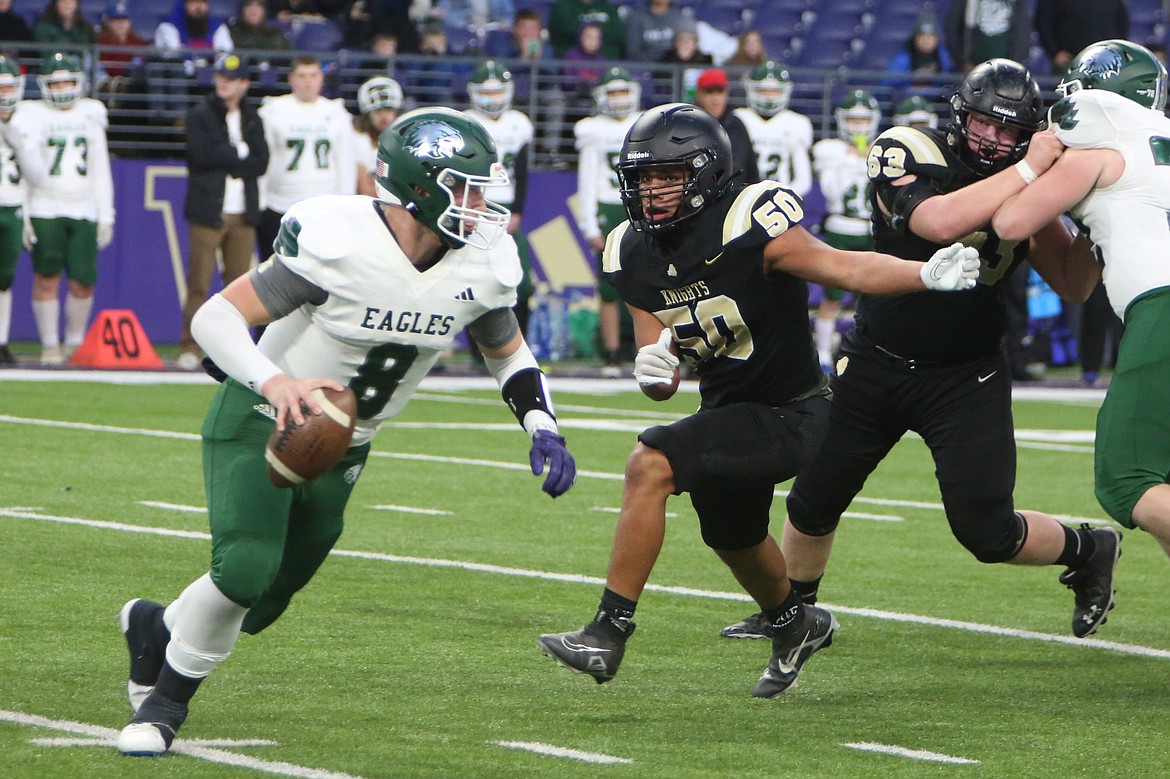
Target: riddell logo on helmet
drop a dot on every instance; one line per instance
(637, 155)
(999, 109)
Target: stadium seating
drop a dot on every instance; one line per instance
(316, 36)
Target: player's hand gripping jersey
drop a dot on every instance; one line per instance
(383, 323)
(930, 326)
(1128, 219)
(746, 332)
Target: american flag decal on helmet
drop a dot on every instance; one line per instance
(381, 169)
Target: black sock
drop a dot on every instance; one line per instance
(1078, 548)
(787, 615)
(807, 590)
(615, 614)
(175, 686)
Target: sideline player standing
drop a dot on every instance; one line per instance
(71, 208)
(782, 138)
(714, 272)
(310, 147)
(379, 100)
(360, 292)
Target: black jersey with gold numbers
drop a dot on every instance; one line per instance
(930, 326)
(745, 331)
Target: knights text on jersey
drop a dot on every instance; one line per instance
(385, 322)
(1126, 220)
(746, 332)
(944, 327)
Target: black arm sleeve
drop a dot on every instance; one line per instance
(521, 180)
(282, 291)
(495, 328)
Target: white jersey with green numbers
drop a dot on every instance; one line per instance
(782, 143)
(77, 182)
(599, 144)
(1129, 221)
(310, 148)
(844, 179)
(511, 133)
(385, 322)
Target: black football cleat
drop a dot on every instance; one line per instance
(1092, 583)
(586, 651)
(146, 638)
(792, 650)
(749, 627)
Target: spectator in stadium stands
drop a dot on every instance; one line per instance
(13, 27)
(650, 29)
(363, 19)
(588, 51)
(685, 51)
(565, 18)
(226, 155)
(979, 30)
(250, 29)
(63, 23)
(526, 42)
(711, 96)
(431, 81)
(922, 57)
(190, 26)
(124, 67)
(1067, 26)
(750, 52)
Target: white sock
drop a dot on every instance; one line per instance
(206, 627)
(46, 313)
(5, 315)
(76, 318)
(823, 331)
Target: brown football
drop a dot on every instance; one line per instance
(301, 453)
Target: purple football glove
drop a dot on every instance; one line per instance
(548, 447)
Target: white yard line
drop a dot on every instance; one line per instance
(572, 754)
(106, 737)
(913, 754)
(594, 581)
(411, 510)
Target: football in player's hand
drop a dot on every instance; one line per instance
(301, 453)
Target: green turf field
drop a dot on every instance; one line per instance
(413, 652)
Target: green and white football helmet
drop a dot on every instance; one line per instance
(768, 87)
(617, 94)
(62, 80)
(858, 116)
(491, 88)
(1125, 68)
(438, 163)
(378, 93)
(915, 111)
(11, 84)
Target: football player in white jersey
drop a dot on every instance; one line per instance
(360, 292)
(379, 100)
(1114, 180)
(490, 90)
(71, 208)
(915, 111)
(840, 168)
(782, 138)
(19, 162)
(599, 141)
(310, 145)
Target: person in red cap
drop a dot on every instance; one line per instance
(711, 96)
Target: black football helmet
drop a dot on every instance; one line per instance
(1002, 91)
(675, 134)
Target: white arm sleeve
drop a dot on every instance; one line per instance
(221, 330)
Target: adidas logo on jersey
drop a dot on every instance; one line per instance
(466, 294)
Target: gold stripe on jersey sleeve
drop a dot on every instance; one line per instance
(611, 256)
(922, 149)
(739, 217)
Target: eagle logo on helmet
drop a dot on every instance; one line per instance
(434, 141)
(1106, 63)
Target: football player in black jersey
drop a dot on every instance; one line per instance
(713, 272)
(937, 365)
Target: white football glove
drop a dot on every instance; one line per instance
(27, 234)
(952, 269)
(105, 234)
(654, 364)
